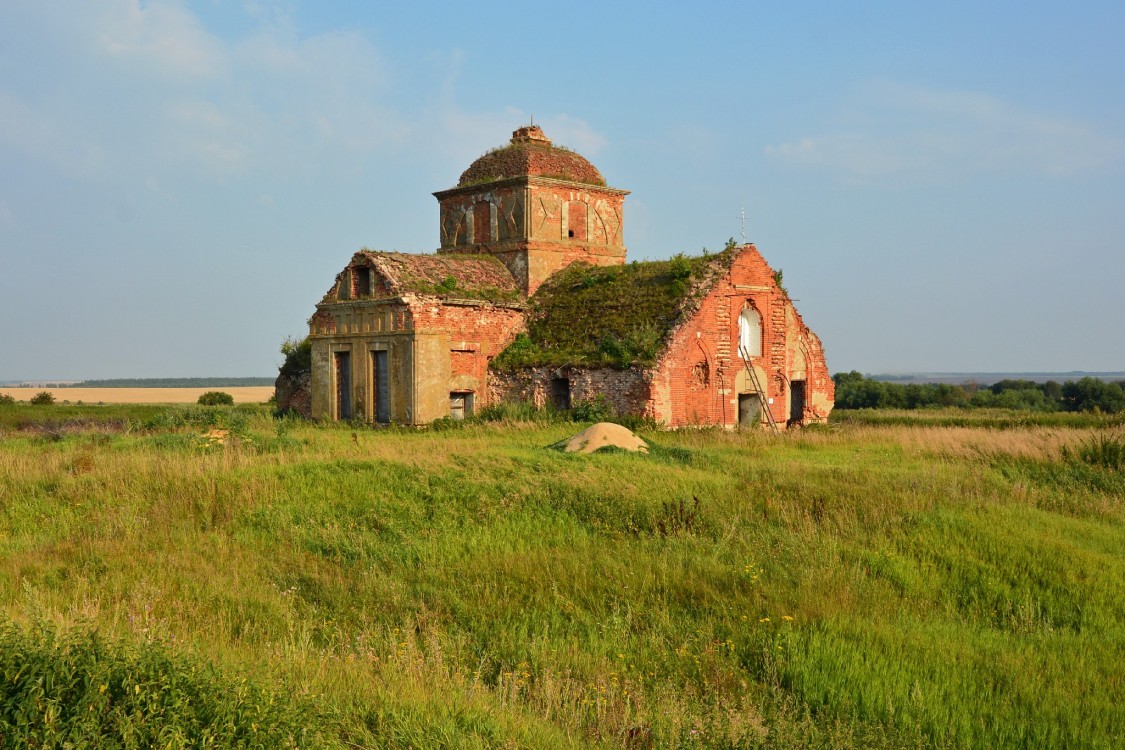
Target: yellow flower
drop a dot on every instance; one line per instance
(786, 617)
(764, 619)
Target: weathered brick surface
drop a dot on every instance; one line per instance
(627, 391)
(477, 333)
(294, 394)
(530, 152)
(701, 373)
(518, 215)
(536, 207)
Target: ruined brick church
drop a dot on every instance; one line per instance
(530, 299)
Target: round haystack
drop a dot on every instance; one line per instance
(603, 435)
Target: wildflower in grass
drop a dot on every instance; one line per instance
(764, 619)
(786, 617)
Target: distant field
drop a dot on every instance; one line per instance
(246, 394)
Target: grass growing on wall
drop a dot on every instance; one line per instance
(852, 586)
(614, 316)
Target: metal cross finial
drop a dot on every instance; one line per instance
(742, 215)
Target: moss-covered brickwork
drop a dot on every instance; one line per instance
(616, 316)
(531, 154)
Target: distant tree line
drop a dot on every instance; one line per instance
(854, 391)
(166, 383)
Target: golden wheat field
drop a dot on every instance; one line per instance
(246, 394)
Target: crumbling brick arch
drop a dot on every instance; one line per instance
(799, 366)
(743, 383)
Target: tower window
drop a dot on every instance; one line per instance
(482, 221)
(576, 220)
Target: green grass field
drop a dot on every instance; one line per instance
(875, 583)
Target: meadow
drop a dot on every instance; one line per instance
(242, 394)
(881, 582)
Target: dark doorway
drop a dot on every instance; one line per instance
(381, 387)
(560, 393)
(749, 409)
(796, 402)
(343, 385)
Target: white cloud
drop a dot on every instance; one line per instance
(158, 36)
(574, 133)
(889, 129)
(129, 90)
(142, 93)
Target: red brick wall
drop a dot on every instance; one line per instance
(695, 381)
(477, 333)
(593, 215)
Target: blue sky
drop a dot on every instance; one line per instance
(942, 184)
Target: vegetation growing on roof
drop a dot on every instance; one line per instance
(458, 291)
(616, 316)
(513, 160)
(459, 276)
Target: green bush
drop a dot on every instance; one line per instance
(6, 400)
(43, 398)
(596, 409)
(298, 357)
(81, 690)
(216, 398)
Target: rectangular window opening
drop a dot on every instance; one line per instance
(482, 222)
(343, 362)
(381, 387)
(362, 282)
(460, 404)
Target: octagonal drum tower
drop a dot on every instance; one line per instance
(535, 206)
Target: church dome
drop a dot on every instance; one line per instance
(531, 154)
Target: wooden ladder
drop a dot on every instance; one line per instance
(759, 390)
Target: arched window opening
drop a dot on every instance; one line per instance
(750, 333)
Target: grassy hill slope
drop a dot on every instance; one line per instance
(855, 586)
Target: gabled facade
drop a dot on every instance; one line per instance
(529, 299)
(407, 338)
(692, 341)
